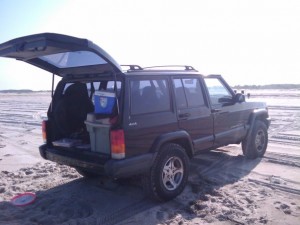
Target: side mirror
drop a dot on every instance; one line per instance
(226, 101)
(239, 97)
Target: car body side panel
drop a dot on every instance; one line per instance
(231, 122)
(143, 129)
(196, 120)
(199, 125)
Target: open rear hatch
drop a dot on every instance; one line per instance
(60, 54)
(64, 55)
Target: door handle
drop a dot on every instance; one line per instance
(219, 111)
(184, 115)
(216, 110)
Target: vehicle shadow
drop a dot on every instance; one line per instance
(103, 201)
(81, 201)
(204, 196)
(221, 167)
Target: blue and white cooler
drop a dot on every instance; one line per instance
(104, 102)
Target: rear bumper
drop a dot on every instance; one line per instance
(109, 167)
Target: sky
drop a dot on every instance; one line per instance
(252, 42)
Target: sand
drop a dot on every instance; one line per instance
(223, 188)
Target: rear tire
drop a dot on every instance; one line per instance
(257, 144)
(169, 173)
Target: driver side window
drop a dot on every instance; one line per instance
(218, 92)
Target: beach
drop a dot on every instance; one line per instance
(223, 187)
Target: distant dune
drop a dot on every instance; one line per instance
(20, 91)
(268, 86)
(16, 91)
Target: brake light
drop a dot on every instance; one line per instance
(44, 132)
(117, 142)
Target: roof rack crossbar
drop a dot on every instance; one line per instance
(184, 66)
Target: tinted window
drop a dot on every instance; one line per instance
(111, 86)
(179, 94)
(188, 93)
(148, 96)
(193, 92)
(96, 85)
(73, 59)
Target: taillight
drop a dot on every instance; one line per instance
(44, 132)
(117, 142)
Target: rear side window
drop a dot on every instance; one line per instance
(108, 86)
(149, 96)
(188, 93)
(105, 86)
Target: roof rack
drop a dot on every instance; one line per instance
(166, 67)
(133, 67)
(171, 66)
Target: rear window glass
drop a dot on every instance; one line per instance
(73, 59)
(149, 96)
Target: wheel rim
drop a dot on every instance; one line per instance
(260, 140)
(172, 173)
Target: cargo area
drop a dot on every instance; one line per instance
(81, 116)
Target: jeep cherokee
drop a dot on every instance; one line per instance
(104, 120)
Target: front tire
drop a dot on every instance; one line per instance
(257, 144)
(169, 174)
